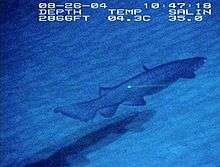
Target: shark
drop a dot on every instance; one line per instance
(133, 90)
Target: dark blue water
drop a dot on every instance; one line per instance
(45, 65)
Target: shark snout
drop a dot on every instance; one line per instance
(203, 59)
(199, 62)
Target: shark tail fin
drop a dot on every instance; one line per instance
(84, 111)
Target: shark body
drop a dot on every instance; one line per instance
(133, 90)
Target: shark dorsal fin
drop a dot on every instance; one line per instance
(104, 90)
(145, 68)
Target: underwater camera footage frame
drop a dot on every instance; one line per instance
(108, 83)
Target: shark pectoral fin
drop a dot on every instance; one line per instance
(109, 111)
(189, 75)
(136, 102)
(104, 90)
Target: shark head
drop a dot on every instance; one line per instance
(197, 62)
(186, 68)
(192, 64)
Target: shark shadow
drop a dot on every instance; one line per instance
(93, 137)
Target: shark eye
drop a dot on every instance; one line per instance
(129, 87)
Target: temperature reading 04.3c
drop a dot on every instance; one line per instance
(121, 14)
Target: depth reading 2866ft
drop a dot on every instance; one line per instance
(74, 12)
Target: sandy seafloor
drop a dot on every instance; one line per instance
(45, 65)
